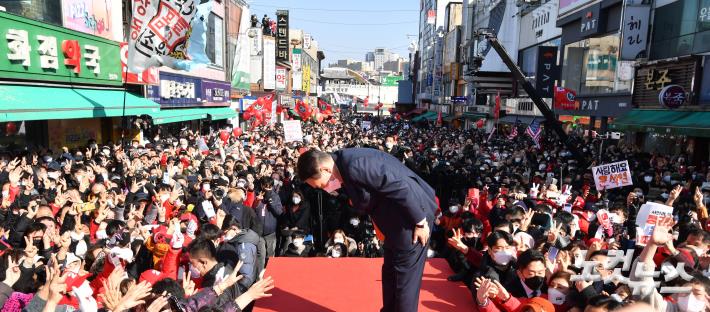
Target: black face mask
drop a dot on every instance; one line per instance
(535, 282)
(37, 242)
(470, 242)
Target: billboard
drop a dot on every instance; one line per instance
(97, 17)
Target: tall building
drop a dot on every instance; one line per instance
(370, 57)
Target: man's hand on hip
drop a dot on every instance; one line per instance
(421, 233)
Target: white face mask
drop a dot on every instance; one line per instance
(690, 303)
(164, 198)
(556, 296)
(503, 257)
(296, 200)
(298, 242)
(454, 209)
(229, 236)
(648, 179)
(389, 145)
(101, 234)
(355, 221)
(194, 273)
(335, 254)
(338, 241)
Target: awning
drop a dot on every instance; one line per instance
(177, 115)
(695, 124)
(523, 119)
(426, 116)
(474, 116)
(19, 103)
(219, 113)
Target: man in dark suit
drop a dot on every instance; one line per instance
(401, 204)
(530, 281)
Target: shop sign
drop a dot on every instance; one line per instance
(599, 106)
(590, 23)
(269, 63)
(96, 17)
(634, 31)
(280, 78)
(176, 91)
(307, 39)
(539, 25)
(296, 60)
(672, 96)
(657, 79)
(431, 17)
(306, 79)
(215, 92)
(546, 71)
(32, 50)
(459, 99)
(282, 42)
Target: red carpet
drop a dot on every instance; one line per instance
(353, 284)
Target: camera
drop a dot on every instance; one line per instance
(219, 192)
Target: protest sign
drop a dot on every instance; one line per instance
(366, 125)
(613, 175)
(649, 214)
(292, 131)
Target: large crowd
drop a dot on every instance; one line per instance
(188, 221)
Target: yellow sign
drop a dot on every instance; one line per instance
(657, 79)
(307, 78)
(74, 132)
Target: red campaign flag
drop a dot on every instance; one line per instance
(391, 110)
(324, 107)
(439, 121)
(565, 99)
(366, 102)
(496, 113)
(303, 109)
(397, 117)
(479, 123)
(379, 106)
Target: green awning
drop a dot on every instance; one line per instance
(426, 116)
(219, 113)
(688, 123)
(474, 116)
(19, 103)
(177, 115)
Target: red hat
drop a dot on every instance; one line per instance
(75, 280)
(188, 217)
(152, 276)
(538, 304)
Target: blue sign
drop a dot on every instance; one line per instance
(459, 99)
(176, 91)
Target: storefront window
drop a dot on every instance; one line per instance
(597, 59)
(47, 11)
(681, 28)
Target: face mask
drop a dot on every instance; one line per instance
(556, 296)
(355, 222)
(667, 179)
(164, 198)
(389, 145)
(534, 282)
(454, 209)
(194, 273)
(541, 167)
(296, 200)
(690, 303)
(229, 237)
(298, 243)
(338, 241)
(502, 257)
(335, 254)
(517, 159)
(648, 179)
(101, 234)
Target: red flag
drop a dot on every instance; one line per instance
(379, 106)
(366, 102)
(479, 123)
(324, 107)
(496, 113)
(303, 109)
(438, 119)
(397, 117)
(565, 99)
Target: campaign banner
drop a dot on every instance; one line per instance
(649, 214)
(269, 63)
(292, 131)
(613, 175)
(168, 33)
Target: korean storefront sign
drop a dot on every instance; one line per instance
(183, 91)
(281, 78)
(306, 78)
(634, 31)
(35, 51)
(282, 41)
(539, 25)
(651, 89)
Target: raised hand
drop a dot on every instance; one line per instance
(230, 280)
(187, 284)
(534, 190)
(527, 218)
(12, 273)
(456, 242)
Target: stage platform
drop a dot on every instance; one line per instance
(353, 284)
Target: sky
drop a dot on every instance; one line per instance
(347, 29)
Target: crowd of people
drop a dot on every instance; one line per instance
(188, 221)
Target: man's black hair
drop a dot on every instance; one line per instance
(529, 256)
(309, 162)
(266, 182)
(210, 231)
(473, 224)
(202, 247)
(493, 238)
(170, 286)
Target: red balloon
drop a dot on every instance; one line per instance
(224, 135)
(237, 132)
(247, 115)
(10, 128)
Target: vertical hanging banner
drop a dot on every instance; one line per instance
(168, 33)
(269, 63)
(242, 59)
(280, 78)
(546, 72)
(282, 42)
(634, 32)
